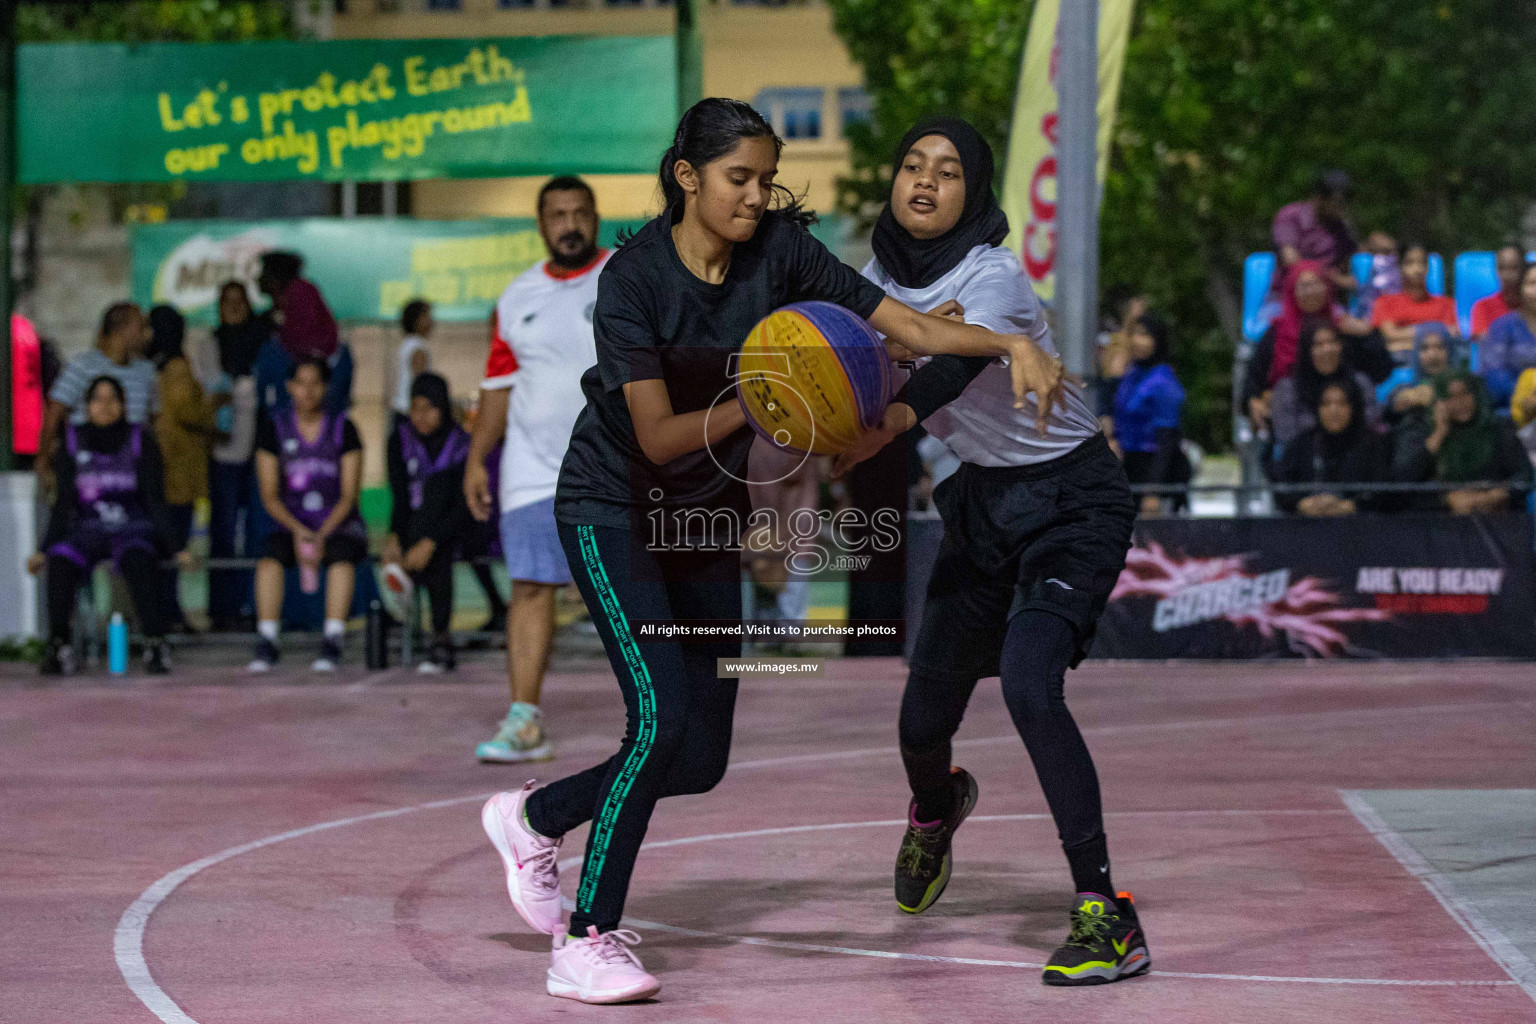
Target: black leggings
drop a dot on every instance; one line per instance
(1037, 649)
(678, 735)
(141, 573)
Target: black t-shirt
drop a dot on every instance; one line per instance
(266, 437)
(655, 319)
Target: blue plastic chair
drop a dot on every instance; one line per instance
(1258, 311)
(1477, 277)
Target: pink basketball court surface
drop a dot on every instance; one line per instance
(1306, 842)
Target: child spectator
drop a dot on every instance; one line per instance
(429, 515)
(1397, 315)
(1461, 442)
(231, 474)
(185, 428)
(309, 467)
(109, 504)
(1386, 277)
(1411, 386)
(1148, 404)
(412, 358)
(1511, 264)
(1340, 448)
(1322, 362)
(1510, 346)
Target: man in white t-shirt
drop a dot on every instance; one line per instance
(541, 344)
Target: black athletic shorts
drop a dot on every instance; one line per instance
(338, 547)
(1051, 536)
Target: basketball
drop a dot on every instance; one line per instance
(813, 377)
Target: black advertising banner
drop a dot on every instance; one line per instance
(1365, 586)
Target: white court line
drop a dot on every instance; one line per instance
(1147, 727)
(128, 938)
(1493, 942)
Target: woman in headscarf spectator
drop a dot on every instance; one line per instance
(1522, 410)
(1306, 297)
(1463, 442)
(231, 472)
(1510, 346)
(1411, 387)
(1321, 362)
(185, 428)
(301, 327)
(1148, 404)
(1340, 448)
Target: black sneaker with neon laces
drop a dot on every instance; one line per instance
(923, 862)
(1106, 944)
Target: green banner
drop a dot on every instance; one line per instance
(366, 109)
(367, 269)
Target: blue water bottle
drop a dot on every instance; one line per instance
(117, 645)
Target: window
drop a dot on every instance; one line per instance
(855, 106)
(795, 113)
(442, 5)
(508, 5)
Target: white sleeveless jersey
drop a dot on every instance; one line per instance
(982, 426)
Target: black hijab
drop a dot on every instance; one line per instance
(1162, 339)
(239, 343)
(167, 335)
(918, 262)
(113, 436)
(434, 389)
(1310, 383)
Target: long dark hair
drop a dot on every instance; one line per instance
(710, 129)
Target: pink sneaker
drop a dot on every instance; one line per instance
(599, 968)
(533, 878)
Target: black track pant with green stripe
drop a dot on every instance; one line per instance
(678, 737)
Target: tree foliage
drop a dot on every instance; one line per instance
(143, 21)
(1229, 108)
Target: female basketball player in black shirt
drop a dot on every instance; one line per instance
(654, 473)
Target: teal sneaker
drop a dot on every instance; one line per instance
(519, 737)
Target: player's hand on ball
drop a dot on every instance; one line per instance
(898, 419)
(1034, 372)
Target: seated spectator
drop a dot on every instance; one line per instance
(1148, 404)
(300, 326)
(1397, 315)
(1318, 229)
(1341, 448)
(429, 523)
(1293, 409)
(1411, 386)
(119, 354)
(1510, 346)
(1523, 410)
(1305, 297)
(231, 473)
(1511, 264)
(412, 358)
(1386, 277)
(109, 504)
(309, 470)
(1462, 441)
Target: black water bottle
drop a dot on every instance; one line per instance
(376, 638)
